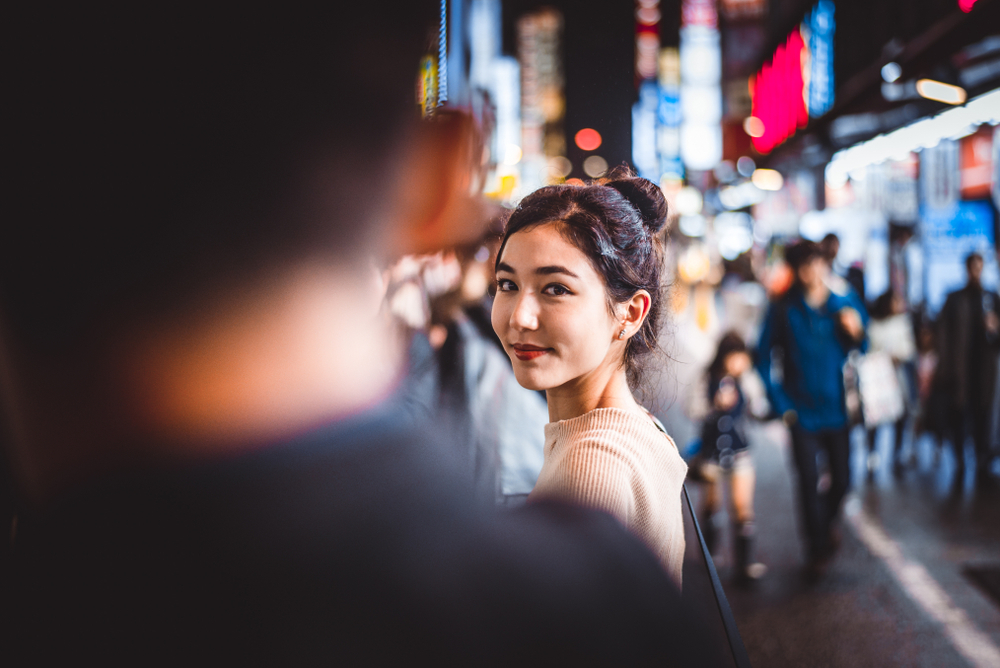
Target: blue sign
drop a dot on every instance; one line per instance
(948, 234)
(821, 27)
(668, 111)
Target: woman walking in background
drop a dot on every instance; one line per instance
(729, 390)
(577, 309)
(891, 331)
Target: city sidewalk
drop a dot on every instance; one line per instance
(895, 594)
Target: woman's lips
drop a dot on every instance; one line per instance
(526, 352)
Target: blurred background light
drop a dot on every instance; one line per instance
(560, 167)
(735, 241)
(940, 92)
(689, 201)
(891, 72)
(648, 15)
(694, 264)
(745, 166)
(701, 145)
(925, 133)
(767, 179)
(595, 166)
(740, 196)
(575, 182)
(753, 126)
(588, 139)
(692, 226)
(512, 154)
(725, 171)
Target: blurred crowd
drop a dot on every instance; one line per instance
(827, 363)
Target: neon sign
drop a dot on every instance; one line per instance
(797, 83)
(777, 95)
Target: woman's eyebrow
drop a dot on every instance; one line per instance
(503, 266)
(555, 269)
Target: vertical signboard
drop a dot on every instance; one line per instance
(645, 154)
(820, 28)
(701, 91)
(976, 163)
(542, 98)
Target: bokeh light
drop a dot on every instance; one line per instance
(588, 139)
(940, 92)
(689, 201)
(753, 126)
(745, 166)
(512, 155)
(560, 167)
(767, 179)
(595, 166)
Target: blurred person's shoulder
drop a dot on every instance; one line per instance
(359, 539)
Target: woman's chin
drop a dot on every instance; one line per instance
(530, 381)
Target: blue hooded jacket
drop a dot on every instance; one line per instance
(812, 349)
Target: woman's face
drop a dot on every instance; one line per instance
(551, 311)
(736, 364)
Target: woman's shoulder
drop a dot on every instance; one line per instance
(615, 428)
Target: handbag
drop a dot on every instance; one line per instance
(872, 392)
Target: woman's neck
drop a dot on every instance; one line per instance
(604, 388)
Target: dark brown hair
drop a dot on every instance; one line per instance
(615, 223)
(798, 253)
(730, 343)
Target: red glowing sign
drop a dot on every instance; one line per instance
(966, 5)
(777, 94)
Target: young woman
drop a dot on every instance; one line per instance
(729, 390)
(577, 309)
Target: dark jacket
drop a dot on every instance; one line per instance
(357, 544)
(967, 354)
(812, 350)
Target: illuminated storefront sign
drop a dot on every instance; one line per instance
(820, 24)
(701, 90)
(798, 81)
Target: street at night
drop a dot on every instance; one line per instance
(502, 333)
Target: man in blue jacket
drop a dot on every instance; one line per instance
(810, 331)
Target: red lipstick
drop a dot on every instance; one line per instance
(526, 351)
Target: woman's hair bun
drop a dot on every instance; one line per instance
(644, 195)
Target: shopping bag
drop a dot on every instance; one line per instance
(878, 389)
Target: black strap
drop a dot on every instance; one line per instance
(732, 633)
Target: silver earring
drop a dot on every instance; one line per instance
(621, 334)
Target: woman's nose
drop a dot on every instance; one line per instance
(525, 313)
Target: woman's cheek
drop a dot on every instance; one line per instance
(497, 317)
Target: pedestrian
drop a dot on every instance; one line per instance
(968, 337)
(729, 391)
(811, 330)
(933, 417)
(891, 331)
(578, 310)
(853, 276)
(212, 464)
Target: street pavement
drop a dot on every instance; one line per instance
(895, 594)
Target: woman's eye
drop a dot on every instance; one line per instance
(556, 290)
(505, 285)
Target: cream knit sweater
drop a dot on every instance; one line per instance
(618, 461)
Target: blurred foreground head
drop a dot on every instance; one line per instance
(190, 186)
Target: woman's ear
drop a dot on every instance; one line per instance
(635, 311)
(436, 203)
